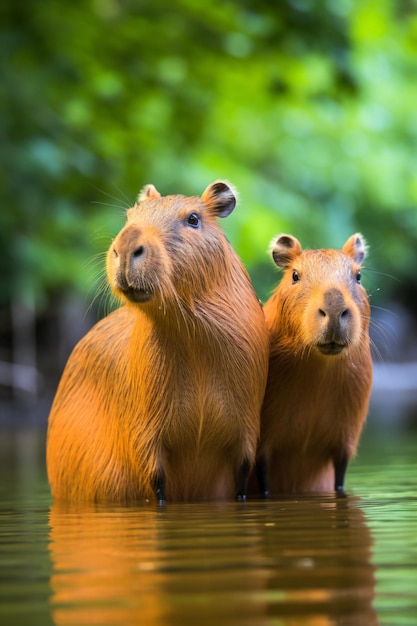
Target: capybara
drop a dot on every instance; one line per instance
(320, 369)
(162, 398)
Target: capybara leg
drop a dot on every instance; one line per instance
(242, 481)
(262, 476)
(340, 467)
(159, 487)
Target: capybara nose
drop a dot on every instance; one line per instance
(129, 247)
(334, 304)
(336, 311)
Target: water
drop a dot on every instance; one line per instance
(307, 561)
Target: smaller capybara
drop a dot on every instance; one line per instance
(162, 398)
(320, 369)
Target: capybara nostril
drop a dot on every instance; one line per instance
(322, 313)
(138, 253)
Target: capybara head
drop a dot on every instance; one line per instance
(171, 247)
(322, 305)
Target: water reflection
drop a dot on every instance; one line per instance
(288, 562)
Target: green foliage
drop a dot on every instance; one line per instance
(308, 107)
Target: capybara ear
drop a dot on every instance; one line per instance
(284, 248)
(220, 197)
(147, 193)
(356, 248)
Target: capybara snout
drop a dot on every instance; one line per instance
(130, 249)
(334, 307)
(126, 262)
(337, 322)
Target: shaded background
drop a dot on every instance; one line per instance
(308, 107)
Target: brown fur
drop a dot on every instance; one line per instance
(316, 399)
(170, 385)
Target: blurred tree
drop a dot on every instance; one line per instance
(308, 107)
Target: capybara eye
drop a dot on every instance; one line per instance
(358, 276)
(295, 276)
(193, 220)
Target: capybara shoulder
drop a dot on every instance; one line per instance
(162, 398)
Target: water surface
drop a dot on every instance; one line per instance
(306, 561)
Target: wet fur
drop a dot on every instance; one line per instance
(315, 404)
(170, 387)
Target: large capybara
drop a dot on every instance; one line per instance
(162, 398)
(320, 371)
